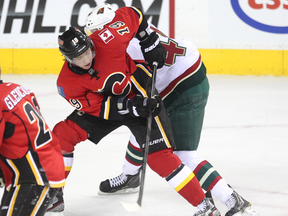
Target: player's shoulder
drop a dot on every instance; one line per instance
(124, 10)
(12, 94)
(65, 72)
(69, 82)
(7, 87)
(127, 15)
(120, 29)
(65, 77)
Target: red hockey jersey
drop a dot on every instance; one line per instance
(29, 151)
(114, 66)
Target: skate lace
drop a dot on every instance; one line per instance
(119, 180)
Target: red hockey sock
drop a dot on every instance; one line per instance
(179, 176)
(186, 184)
(68, 162)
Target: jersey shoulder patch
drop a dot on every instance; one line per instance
(106, 35)
(60, 91)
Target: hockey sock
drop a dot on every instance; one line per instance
(68, 162)
(179, 176)
(204, 171)
(222, 191)
(133, 158)
(208, 177)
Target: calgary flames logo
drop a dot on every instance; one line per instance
(116, 84)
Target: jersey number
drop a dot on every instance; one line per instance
(123, 31)
(119, 24)
(43, 136)
(76, 103)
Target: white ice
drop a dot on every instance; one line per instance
(245, 137)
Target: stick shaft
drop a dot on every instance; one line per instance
(148, 132)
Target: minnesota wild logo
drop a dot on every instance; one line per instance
(100, 11)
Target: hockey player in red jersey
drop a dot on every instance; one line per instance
(30, 155)
(109, 91)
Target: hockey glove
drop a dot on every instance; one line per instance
(153, 50)
(140, 106)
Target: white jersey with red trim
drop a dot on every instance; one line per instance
(181, 56)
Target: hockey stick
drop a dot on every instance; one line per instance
(132, 207)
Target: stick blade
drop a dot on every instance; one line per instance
(131, 207)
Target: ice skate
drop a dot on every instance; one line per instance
(207, 207)
(237, 206)
(122, 184)
(57, 204)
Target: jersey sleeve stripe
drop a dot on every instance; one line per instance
(107, 108)
(139, 13)
(139, 87)
(144, 69)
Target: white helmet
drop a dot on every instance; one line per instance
(98, 17)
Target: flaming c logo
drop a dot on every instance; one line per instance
(255, 24)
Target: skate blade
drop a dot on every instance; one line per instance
(120, 192)
(54, 214)
(131, 207)
(250, 212)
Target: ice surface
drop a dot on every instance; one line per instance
(245, 137)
